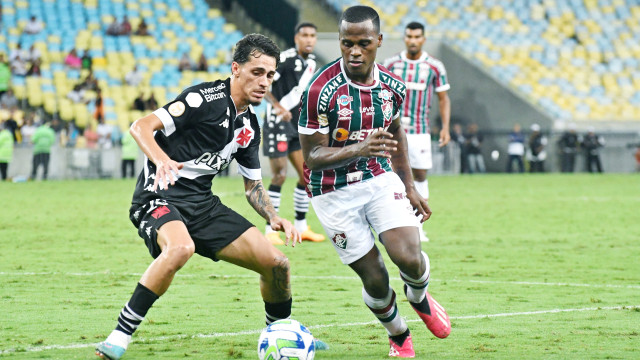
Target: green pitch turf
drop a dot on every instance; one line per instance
(527, 266)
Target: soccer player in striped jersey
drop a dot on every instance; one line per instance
(423, 74)
(281, 141)
(351, 133)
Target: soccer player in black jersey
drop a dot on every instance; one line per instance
(297, 66)
(187, 142)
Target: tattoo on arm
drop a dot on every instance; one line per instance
(258, 198)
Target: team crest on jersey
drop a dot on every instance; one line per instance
(340, 240)
(176, 109)
(344, 100)
(340, 134)
(387, 110)
(244, 137)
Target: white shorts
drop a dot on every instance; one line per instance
(349, 213)
(419, 151)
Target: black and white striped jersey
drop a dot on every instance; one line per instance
(292, 77)
(202, 131)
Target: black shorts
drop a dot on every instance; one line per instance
(211, 224)
(280, 138)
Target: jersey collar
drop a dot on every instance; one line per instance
(376, 77)
(423, 56)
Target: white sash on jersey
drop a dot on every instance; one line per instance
(292, 99)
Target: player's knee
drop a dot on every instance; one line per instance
(180, 254)
(279, 178)
(412, 265)
(280, 265)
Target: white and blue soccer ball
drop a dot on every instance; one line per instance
(284, 340)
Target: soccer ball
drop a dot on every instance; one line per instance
(286, 339)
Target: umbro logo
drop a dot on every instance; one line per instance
(225, 123)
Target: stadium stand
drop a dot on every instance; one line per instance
(576, 59)
(175, 27)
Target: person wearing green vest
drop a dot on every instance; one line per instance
(43, 139)
(5, 75)
(129, 154)
(6, 150)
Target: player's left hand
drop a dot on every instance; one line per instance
(445, 137)
(290, 231)
(419, 204)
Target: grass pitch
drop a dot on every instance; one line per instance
(527, 267)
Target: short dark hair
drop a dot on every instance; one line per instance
(304, 25)
(361, 13)
(415, 25)
(253, 45)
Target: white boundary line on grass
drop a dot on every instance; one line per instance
(252, 332)
(325, 277)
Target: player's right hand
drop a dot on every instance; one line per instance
(378, 144)
(166, 172)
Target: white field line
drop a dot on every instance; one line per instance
(322, 277)
(257, 331)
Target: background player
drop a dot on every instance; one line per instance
(350, 129)
(297, 66)
(422, 74)
(204, 129)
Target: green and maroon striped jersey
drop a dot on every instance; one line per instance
(347, 111)
(422, 77)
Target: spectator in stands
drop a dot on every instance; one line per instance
(473, 141)
(6, 150)
(515, 149)
(33, 26)
(536, 154)
(152, 103)
(19, 66)
(8, 100)
(143, 29)
(5, 75)
(72, 60)
(34, 68)
(104, 131)
(33, 54)
(129, 154)
(125, 26)
(457, 136)
(43, 139)
(90, 136)
(77, 94)
(72, 134)
(27, 130)
(139, 103)
(568, 145)
(18, 52)
(591, 143)
(185, 62)
(114, 28)
(86, 61)
(99, 103)
(202, 63)
(90, 83)
(133, 77)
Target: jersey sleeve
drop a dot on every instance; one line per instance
(249, 158)
(186, 109)
(441, 82)
(313, 117)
